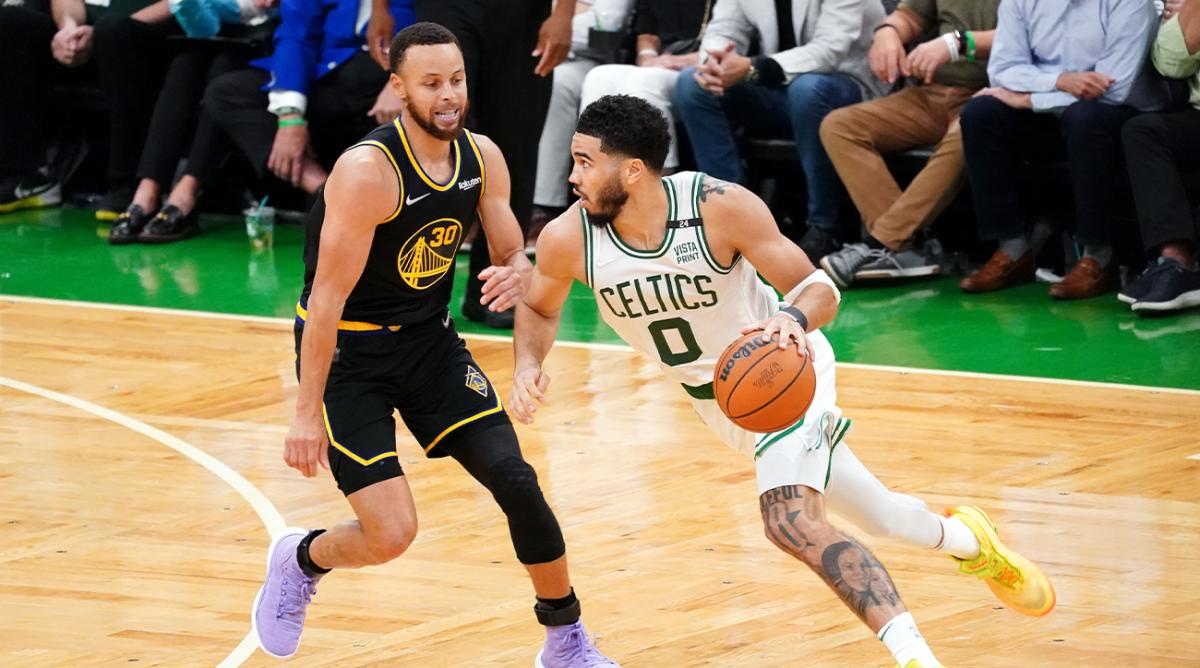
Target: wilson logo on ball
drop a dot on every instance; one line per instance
(742, 353)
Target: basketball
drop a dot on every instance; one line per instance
(762, 388)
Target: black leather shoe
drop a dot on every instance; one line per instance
(473, 310)
(128, 225)
(818, 243)
(169, 225)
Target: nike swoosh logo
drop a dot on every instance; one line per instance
(21, 193)
(410, 200)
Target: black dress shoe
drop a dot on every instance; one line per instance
(169, 225)
(818, 243)
(473, 310)
(129, 225)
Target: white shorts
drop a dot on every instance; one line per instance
(802, 453)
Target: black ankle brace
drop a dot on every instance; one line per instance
(557, 611)
(306, 563)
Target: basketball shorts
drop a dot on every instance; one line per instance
(423, 371)
(802, 454)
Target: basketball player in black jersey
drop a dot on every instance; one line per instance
(373, 336)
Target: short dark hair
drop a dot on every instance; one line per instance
(627, 126)
(418, 34)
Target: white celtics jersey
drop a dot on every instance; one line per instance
(676, 303)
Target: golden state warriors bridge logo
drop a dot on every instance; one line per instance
(429, 253)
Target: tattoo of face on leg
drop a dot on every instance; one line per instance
(713, 186)
(858, 577)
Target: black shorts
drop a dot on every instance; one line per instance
(425, 372)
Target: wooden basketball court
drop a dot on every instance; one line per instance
(141, 473)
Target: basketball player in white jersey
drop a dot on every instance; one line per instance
(673, 264)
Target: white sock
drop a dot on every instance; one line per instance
(957, 539)
(901, 637)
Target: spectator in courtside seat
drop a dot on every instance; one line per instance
(949, 69)
(1065, 77)
(176, 112)
(320, 74)
(71, 43)
(1159, 148)
(815, 61)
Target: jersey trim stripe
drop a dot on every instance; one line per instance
(668, 233)
(479, 157)
(417, 165)
(399, 178)
(706, 251)
(708, 255)
(348, 325)
(587, 246)
(346, 451)
(480, 415)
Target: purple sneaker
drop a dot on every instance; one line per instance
(569, 647)
(279, 608)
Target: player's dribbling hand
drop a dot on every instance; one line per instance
(528, 392)
(502, 288)
(304, 447)
(786, 328)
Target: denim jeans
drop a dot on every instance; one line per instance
(794, 111)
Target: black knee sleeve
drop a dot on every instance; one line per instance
(535, 532)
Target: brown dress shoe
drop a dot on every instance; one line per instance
(1087, 279)
(1000, 272)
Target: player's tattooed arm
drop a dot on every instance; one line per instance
(714, 186)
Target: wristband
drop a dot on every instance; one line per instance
(797, 315)
(951, 46)
(647, 52)
(290, 122)
(881, 26)
(970, 46)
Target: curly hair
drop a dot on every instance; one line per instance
(627, 126)
(418, 34)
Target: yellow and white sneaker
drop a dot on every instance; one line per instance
(917, 664)
(1015, 580)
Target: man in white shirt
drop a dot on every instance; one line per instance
(814, 61)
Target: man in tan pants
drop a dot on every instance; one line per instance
(949, 69)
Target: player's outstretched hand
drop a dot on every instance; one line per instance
(788, 330)
(304, 448)
(528, 392)
(502, 288)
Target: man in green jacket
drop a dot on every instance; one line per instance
(1160, 149)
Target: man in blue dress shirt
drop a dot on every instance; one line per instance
(1065, 77)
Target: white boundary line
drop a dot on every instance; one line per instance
(266, 511)
(1195, 457)
(154, 310)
